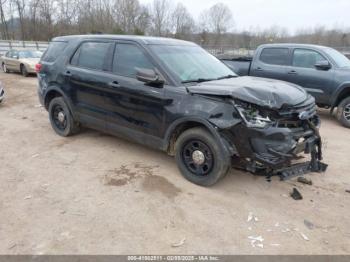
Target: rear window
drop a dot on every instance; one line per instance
(275, 56)
(92, 55)
(53, 51)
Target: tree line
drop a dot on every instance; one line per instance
(41, 20)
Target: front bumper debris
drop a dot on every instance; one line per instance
(272, 152)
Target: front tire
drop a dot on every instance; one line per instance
(200, 158)
(343, 112)
(61, 118)
(24, 71)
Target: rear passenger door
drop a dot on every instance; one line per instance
(303, 72)
(135, 110)
(88, 77)
(271, 63)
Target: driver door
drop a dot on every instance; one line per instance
(134, 109)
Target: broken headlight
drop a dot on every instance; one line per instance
(253, 117)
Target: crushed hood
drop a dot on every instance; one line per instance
(260, 91)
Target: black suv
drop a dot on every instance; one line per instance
(174, 96)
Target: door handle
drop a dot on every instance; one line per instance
(259, 69)
(114, 84)
(292, 72)
(68, 73)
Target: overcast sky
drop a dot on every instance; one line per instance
(292, 14)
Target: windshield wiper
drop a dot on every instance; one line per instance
(226, 77)
(198, 80)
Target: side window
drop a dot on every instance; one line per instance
(53, 51)
(92, 55)
(14, 54)
(306, 58)
(129, 57)
(275, 56)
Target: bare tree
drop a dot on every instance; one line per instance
(218, 19)
(20, 6)
(4, 27)
(160, 11)
(131, 16)
(182, 22)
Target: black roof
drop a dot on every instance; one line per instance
(148, 40)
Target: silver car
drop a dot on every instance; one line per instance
(22, 61)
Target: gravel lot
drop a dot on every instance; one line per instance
(97, 194)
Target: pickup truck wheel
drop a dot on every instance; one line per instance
(24, 71)
(200, 158)
(61, 118)
(343, 112)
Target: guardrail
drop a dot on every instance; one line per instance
(6, 45)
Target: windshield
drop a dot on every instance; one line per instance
(340, 59)
(191, 62)
(29, 54)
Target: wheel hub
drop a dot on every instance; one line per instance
(61, 117)
(347, 112)
(198, 157)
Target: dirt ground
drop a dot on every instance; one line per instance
(98, 194)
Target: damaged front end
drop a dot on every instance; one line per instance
(272, 142)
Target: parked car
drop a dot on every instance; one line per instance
(174, 96)
(322, 71)
(22, 61)
(2, 92)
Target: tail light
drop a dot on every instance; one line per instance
(38, 68)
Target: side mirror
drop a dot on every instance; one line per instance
(16, 57)
(323, 65)
(148, 76)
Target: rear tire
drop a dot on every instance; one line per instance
(24, 71)
(343, 112)
(200, 158)
(61, 118)
(4, 68)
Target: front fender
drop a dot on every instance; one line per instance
(337, 94)
(211, 127)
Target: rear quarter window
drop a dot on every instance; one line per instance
(53, 51)
(275, 56)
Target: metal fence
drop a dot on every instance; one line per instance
(6, 45)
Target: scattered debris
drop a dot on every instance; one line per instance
(78, 214)
(12, 246)
(285, 230)
(275, 245)
(347, 191)
(277, 224)
(250, 228)
(304, 180)
(180, 243)
(284, 195)
(254, 239)
(304, 236)
(296, 195)
(252, 217)
(309, 224)
(35, 156)
(38, 106)
(27, 197)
